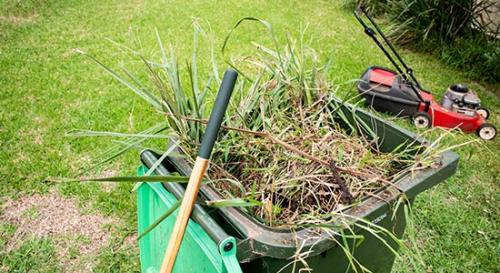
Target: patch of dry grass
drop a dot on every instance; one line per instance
(77, 236)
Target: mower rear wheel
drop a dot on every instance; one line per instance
(487, 131)
(422, 120)
(483, 112)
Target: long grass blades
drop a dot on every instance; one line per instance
(160, 219)
(153, 178)
(121, 148)
(157, 163)
(90, 133)
(237, 202)
(254, 19)
(144, 94)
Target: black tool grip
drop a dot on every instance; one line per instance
(217, 115)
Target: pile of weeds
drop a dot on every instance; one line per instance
(282, 147)
(285, 148)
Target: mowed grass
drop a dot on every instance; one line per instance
(47, 90)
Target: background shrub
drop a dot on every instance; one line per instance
(438, 20)
(375, 7)
(460, 29)
(478, 54)
(455, 27)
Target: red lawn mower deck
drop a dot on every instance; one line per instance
(399, 93)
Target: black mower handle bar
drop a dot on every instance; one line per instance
(370, 32)
(358, 17)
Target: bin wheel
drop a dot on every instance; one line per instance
(483, 112)
(422, 120)
(487, 131)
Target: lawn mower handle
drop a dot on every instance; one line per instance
(358, 17)
(370, 32)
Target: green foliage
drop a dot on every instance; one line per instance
(478, 54)
(453, 27)
(442, 21)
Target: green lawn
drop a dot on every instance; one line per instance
(47, 90)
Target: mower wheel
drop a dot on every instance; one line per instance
(483, 112)
(422, 120)
(487, 131)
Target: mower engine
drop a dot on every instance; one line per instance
(461, 100)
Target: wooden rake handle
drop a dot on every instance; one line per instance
(200, 166)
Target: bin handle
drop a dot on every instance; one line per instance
(227, 249)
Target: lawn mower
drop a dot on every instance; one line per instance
(399, 93)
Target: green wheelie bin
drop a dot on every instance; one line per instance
(230, 240)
